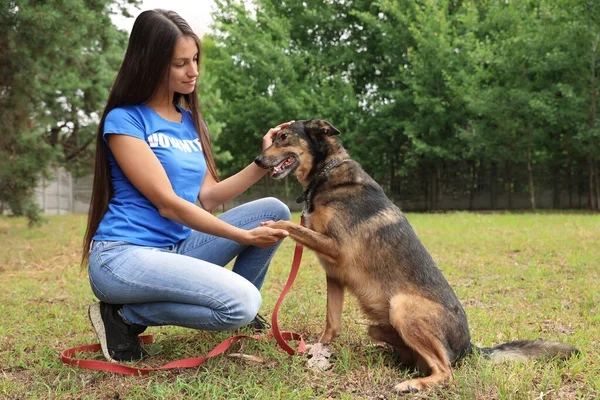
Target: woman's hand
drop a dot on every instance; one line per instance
(268, 138)
(264, 236)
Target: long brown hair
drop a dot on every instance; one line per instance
(145, 65)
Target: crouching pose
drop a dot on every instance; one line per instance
(155, 257)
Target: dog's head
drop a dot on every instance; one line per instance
(299, 148)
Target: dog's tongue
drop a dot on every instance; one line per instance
(280, 166)
(277, 168)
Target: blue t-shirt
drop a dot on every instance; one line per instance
(131, 217)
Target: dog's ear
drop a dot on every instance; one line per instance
(321, 127)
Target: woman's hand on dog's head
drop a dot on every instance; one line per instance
(270, 136)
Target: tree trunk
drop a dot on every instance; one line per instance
(439, 188)
(53, 139)
(530, 167)
(580, 184)
(570, 183)
(508, 172)
(591, 191)
(555, 188)
(434, 186)
(530, 178)
(593, 88)
(493, 179)
(473, 183)
(426, 190)
(596, 181)
(593, 178)
(392, 176)
(569, 174)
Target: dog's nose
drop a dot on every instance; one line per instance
(259, 161)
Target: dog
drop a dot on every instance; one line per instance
(366, 245)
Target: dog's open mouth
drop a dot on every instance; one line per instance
(282, 169)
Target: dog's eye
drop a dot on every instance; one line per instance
(283, 136)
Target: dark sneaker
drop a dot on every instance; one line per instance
(119, 341)
(259, 324)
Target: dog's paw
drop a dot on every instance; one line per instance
(328, 336)
(409, 386)
(274, 224)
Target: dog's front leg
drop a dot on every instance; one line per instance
(335, 306)
(319, 243)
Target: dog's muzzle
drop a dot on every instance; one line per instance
(259, 161)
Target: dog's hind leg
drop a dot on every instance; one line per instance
(335, 306)
(415, 319)
(388, 334)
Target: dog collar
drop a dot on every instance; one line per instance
(305, 197)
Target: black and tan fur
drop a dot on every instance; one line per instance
(367, 246)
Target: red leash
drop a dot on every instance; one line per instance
(279, 336)
(67, 356)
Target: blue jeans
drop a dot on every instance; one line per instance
(186, 284)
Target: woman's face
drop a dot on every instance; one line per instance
(184, 66)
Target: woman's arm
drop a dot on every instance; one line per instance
(213, 193)
(146, 173)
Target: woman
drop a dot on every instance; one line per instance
(155, 258)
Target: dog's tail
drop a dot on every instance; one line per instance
(529, 349)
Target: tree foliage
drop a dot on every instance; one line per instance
(435, 97)
(59, 59)
(438, 99)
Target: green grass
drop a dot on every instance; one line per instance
(519, 276)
